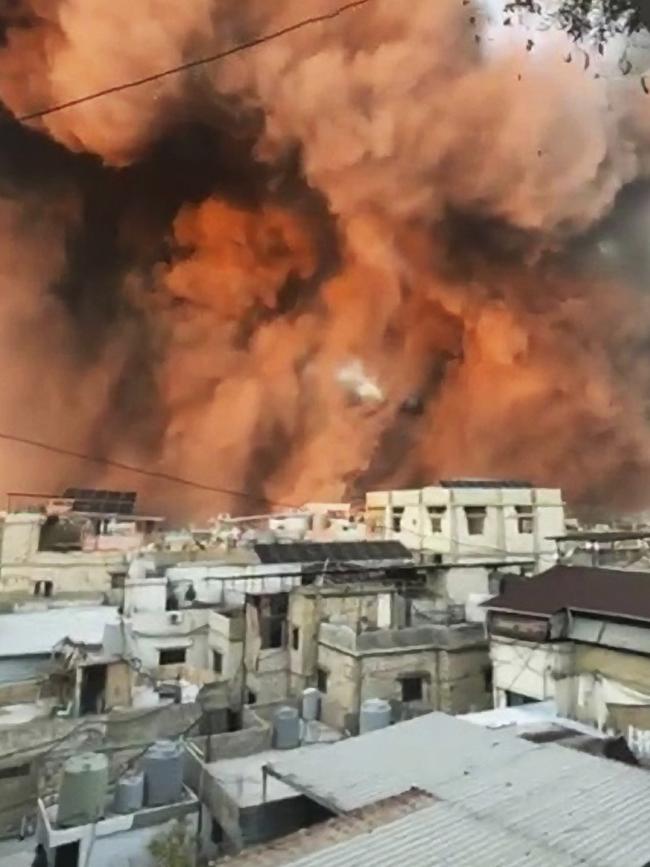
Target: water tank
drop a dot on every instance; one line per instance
(163, 773)
(375, 714)
(286, 728)
(310, 704)
(84, 789)
(129, 794)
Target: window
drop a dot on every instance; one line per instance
(217, 662)
(216, 833)
(48, 585)
(295, 638)
(516, 699)
(412, 689)
(475, 516)
(524, 519)
(396, 518)
(487, 678)
(172, 656)
(321, 680)
(251, 697)
(436, 514)
(14, 771)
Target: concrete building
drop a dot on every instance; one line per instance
(579, 636)
(71, 543)
(417, 669)
(465, 521)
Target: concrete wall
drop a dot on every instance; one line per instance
(528, 669)
(156, 630)
(451, 662)
(501, 536)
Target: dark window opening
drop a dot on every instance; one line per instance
(251, 697)
(396, 518)
(272, 611)
(321, 680)
(93, 690)
(48, 587)
(436, 514)
(117, 581)
(37, 588)
(475, 516)
(216, 833)
(412, 689)
(516, 699)
(217, 662)
(487, 678)
(14, 771)
(67, 855)
(172, 656)
(525, 521)
(295, 638)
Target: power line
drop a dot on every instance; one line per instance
(130, 468)
(202, 61)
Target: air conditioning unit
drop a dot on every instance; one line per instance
(175, 618)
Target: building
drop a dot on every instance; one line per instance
(71, 543)
(616, 548)
(580, 636)
(463, 521)
(493, 801)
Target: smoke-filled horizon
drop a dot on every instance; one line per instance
(383, 250)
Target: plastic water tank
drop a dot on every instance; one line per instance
(163, 773)
(286, 728)
(129, 794)
(84, 789)
(375, 714)
(310, 704)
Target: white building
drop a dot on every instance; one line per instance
(467, 521)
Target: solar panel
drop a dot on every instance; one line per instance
(101, 502)
(484, 483)
(341, 552)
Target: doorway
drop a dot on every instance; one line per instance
(93, 690)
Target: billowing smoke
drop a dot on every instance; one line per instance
(364, 254)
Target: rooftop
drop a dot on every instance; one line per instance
(500, 797)
(35, 633)
(591, 590)
(332, 552)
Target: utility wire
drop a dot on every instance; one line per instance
(202, 61)
(130, 468)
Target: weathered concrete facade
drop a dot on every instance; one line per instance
(416, 669)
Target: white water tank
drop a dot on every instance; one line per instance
(286, 728)
(375, 714)
(163, 773)
(310, 704)
(84, 790)
(129, 794)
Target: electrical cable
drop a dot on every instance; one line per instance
(202, 61)
(130, 468)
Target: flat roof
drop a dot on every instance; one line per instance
(503, 797)
(35, 633)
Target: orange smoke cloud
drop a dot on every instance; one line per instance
(373, 128)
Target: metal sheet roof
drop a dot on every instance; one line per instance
(444, 835)
(581, 808)
(360, 771)
(580, 588)
(341, 552)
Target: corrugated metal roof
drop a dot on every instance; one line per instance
(341, 552)
(360, 771)
(443, 835)
(580, 588)
(577, 808)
